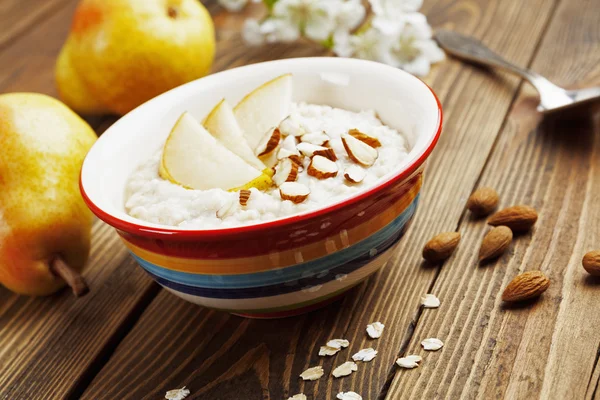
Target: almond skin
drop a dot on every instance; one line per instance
(363, 137)
(495, 243)
(441, 246)
(327, 153)
(244, 196)
(483, 201)
(526, 286)
(517, 218)
(314, 169)
(591, 262)
(270, 144)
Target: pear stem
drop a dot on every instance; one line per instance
(60, 268)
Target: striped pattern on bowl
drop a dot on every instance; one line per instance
(288, 269)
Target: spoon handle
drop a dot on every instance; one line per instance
(471, 49)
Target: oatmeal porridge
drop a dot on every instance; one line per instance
(322, 156)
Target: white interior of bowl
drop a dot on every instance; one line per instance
(401, 101)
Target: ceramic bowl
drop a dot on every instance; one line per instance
(290, 265)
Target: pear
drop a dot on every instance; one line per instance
(121, 53)
(264, 108)
(71, 88)
(194, 159)
(45, 226)
(221, 123)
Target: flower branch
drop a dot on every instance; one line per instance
(393, 32)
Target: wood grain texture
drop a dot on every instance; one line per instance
(48, 344)
(18, 16)
(235, 358)
(545, 349)
(28, 63)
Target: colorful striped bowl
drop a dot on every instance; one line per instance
(286, 266)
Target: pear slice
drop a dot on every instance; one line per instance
(264, 108)
(221, 123)
(194, 159)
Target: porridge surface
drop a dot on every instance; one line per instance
(154, 199)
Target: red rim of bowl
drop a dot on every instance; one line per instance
(163, 233)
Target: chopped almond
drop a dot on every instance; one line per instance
(244, 196)
(289, 143)
(291, 126)
(358, 151)
(318, 138)
(355, 174)
(269, 142)
(322, 168)
(286, 171)
(327, 153)
(308, 149)
(298, 160)
(285, 153)
(294, 191)
(363, 137)
(226, 209)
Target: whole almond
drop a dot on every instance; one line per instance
(591, 262)
(483, 201)
(517, 218)
(441, 246)
(495, 243)
(526, 286)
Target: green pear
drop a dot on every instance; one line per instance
(45, 226)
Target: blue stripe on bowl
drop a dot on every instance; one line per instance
(287, 274)
(285, 287)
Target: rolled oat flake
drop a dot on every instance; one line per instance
(299, 396)
(312, 374)
(345, 369)
(432, 344)
(409, 362)
(177, 394)
(375, 330)
(348, 396)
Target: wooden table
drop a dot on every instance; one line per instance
(128, 339)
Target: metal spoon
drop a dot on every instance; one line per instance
(552, 98)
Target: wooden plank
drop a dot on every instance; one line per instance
(545, 349)
(262, 359)
(17, 16)
(48, 344)
(28, 64)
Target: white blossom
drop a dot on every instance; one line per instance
(251, 32)
(389, 15)
(368, 45)
(395, 8)
(414, 50)
(276, 30)
(233, 5)
(396, 34)
(311, 17)
(348, 15)
(269, 31)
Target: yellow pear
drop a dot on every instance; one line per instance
(44, 224)
(221, 123)
(121, 53)
(71, 88)
(194, 159)
(264, 108)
